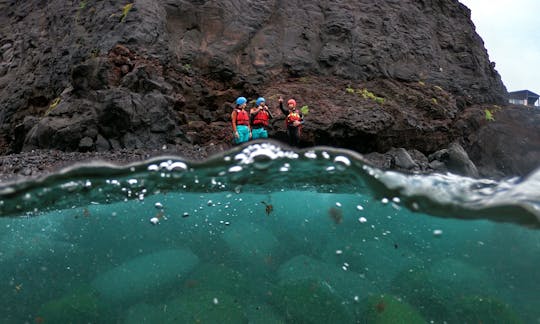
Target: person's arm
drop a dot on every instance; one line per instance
(252, 113)
(269, 112)
(283, 110)
(249, 127)
(233, 121)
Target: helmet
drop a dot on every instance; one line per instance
(260, 100)
(240, 101)
(291, 102)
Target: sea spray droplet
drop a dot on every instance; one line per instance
(359, 207)
(437, 233)
(362, 219)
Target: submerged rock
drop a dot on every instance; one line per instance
(387, 309)
(311, 301)
(485, 309)
(251, 242)
(144, 275)
(201, 306)
(348, 284)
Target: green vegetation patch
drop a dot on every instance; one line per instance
(52, 106)
(366, 94)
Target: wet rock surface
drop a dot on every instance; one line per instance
(101, 80)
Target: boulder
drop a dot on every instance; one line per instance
(345, 283)
(138, 277)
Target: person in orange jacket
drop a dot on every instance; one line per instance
(294, 120)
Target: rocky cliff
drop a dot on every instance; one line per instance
(375, 75)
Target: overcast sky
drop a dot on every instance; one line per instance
(511, 33)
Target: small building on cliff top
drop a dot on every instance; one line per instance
(524, 97)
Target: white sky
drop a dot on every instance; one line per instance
(511, 33)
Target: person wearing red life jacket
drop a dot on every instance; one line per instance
(240, 121)
(260, 116)
(294, 120)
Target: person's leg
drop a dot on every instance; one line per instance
(263, 133)
(243, 134)
(294, 138)
(256, 133)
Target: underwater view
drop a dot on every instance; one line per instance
(266, 234)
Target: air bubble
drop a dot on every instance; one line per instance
(235, 168)
(342, 160)
(132, 182)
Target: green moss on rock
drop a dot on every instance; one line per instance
(387, 309)
(311, 301)
(477, 309)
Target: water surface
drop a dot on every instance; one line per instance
(264, 234)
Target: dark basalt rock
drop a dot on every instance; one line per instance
(79, 77)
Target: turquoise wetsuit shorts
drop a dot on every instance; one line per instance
(243, 134)
(259, 133)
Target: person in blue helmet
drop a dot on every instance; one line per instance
(260, 117)
(240, 122)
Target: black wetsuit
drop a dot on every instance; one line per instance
(292, 131)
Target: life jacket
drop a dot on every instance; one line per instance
(242, 117)
(292, 117)
(261, 118)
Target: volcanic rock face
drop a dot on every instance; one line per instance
(99, 75)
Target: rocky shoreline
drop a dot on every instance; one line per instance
(39, 163)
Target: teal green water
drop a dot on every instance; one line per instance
(267, 235)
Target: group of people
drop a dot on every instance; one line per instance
(253, 124)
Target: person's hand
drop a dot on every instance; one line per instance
(280, 99)
(250, 135)
(236, 135)
(296, 123)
